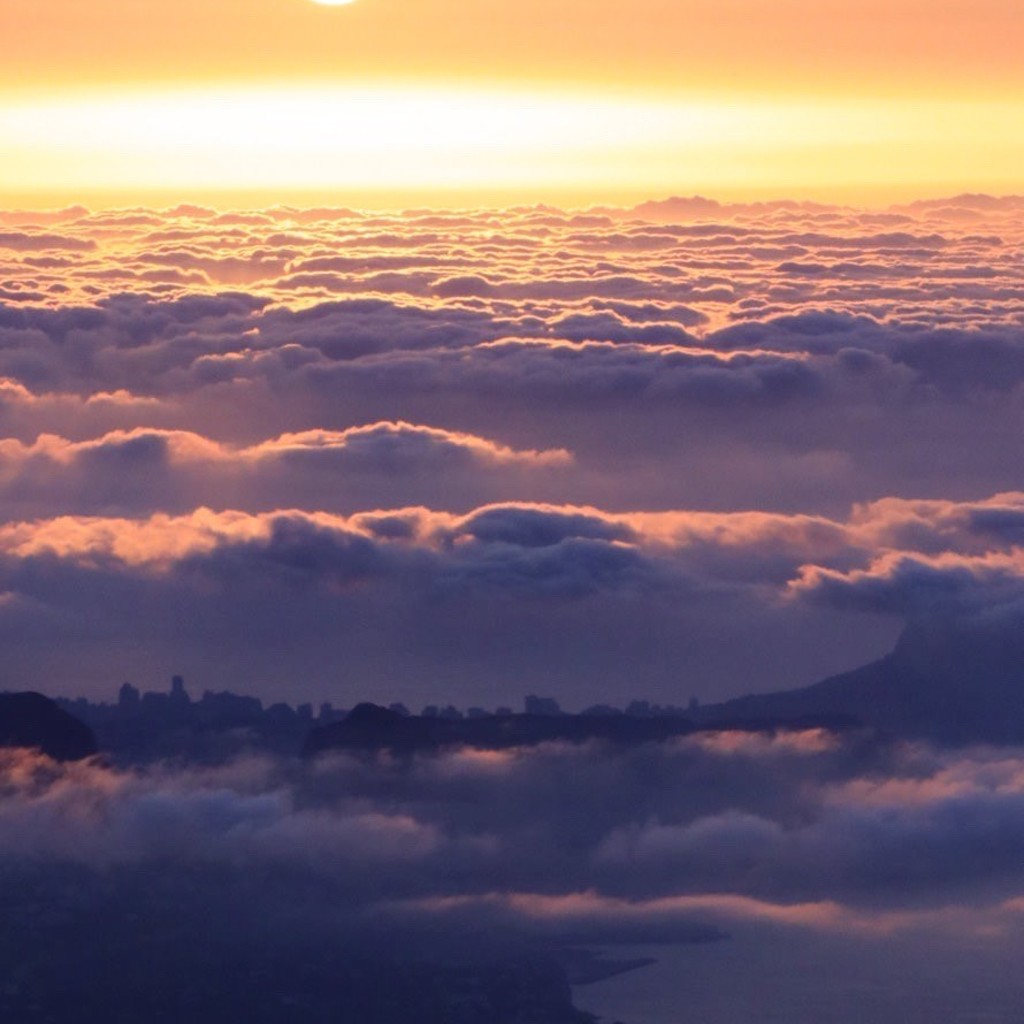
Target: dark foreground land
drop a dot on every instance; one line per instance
(148, 947)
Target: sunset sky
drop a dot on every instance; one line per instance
(397, 101)
(641, 355)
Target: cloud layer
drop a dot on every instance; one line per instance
(460, 456)
(671, 841)
(685, 448)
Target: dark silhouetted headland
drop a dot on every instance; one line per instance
(951, 680)
(33, 721)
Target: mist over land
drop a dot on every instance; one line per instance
(683, 450)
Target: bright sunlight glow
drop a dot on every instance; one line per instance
(396, 137)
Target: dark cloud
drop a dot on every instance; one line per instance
(22, 241)
(140, 470)
(411, 601)
(662, 842)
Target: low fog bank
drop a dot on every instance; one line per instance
(294, 889)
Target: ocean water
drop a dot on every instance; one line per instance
(782, 977)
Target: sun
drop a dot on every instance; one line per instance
(333, 3)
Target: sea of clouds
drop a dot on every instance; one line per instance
(454, 457)
(683, 449)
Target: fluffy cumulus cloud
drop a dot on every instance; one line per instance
(402, 601)
(688, 447)
(139, 469)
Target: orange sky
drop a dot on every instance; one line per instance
(882, 97)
